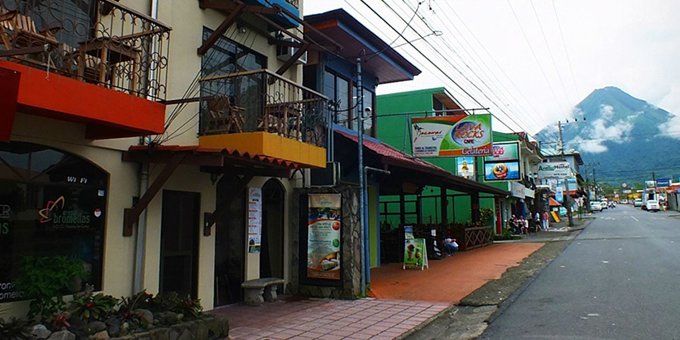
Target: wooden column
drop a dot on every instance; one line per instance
(444, 205)
(474, 206)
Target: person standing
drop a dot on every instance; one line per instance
(546, 218)
(537, 221)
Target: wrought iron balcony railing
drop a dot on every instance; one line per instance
(261, 100)
(97, 41)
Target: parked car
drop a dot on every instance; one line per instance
(596, 206)
(638, 202)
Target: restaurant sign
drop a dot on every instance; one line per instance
(451, 136)
(554, 169)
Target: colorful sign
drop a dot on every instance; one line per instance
(501, 171)
(451, 136)
(323, 236)
(505, 151)
(466, 167)
(415, 251)
(554, 169)
(254, 219)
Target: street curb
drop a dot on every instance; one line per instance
(519, 291)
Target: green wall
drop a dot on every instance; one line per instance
(394, 129)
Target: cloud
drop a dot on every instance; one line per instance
(603, 130)
(606, 111)
(590, 146)
(671, 128)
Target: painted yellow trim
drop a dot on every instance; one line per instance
(268, 144)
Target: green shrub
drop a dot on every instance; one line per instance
(46, 280)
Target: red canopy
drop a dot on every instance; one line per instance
(554, 203)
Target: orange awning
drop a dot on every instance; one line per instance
(554, 203)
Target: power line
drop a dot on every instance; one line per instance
(437, 66)
(552, 58)
(566, 50)
(453, 50)
(533, 53)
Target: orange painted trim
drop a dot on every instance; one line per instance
(9, 90)
(108, 113)
(270, 145)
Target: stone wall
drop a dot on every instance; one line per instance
(351, 246)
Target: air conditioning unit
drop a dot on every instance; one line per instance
(327, 177)
(284, 53)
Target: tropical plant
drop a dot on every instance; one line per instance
(46, 280)
(93, 307)
(486, 216)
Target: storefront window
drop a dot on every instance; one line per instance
(51, 204)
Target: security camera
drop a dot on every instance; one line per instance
(367, 112)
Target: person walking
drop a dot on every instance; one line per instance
(546, 220)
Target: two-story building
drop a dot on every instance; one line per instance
(157, 142)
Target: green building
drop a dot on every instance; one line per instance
(394, 128)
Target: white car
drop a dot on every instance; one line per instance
(637, 203)
(596, 206)
(652, 205)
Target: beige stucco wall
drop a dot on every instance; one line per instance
(187, 21)
(118, 250)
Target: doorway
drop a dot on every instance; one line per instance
(271, 254)
(230, 236)
(179, 242)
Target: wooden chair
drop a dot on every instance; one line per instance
(18, 31)
(283, 119)
(223, 116)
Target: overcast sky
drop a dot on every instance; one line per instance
(532, 61)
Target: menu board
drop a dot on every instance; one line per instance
(324, 228)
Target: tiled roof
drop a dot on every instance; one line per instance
(229, 153)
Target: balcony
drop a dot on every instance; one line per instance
(97, 52)
(260, 112)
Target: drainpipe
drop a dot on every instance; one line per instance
(140, 240)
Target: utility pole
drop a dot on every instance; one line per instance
(567, 197)
(363, 224)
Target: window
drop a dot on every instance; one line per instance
(51, 204)
(228, 57)
(336, 89)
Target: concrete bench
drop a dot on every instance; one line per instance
(255, 289)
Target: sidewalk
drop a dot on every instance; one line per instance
(406, 300)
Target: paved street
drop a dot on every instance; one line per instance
(619, 279)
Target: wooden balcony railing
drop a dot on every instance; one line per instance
(97, 41)
(261, 100)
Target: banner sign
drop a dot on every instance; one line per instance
(502, 171)
(554, 169)
(517, 189)
(415, 251)
(505, 151)
(323, 236)
(559, 194)
(466, 167)
(450, 136)
(254, 219)
(663, 182)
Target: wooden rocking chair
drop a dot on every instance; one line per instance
(223, 116)
(19, 31)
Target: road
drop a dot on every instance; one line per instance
(619, 279)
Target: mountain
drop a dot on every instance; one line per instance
(625, 138)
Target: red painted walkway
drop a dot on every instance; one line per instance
(404, 300)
